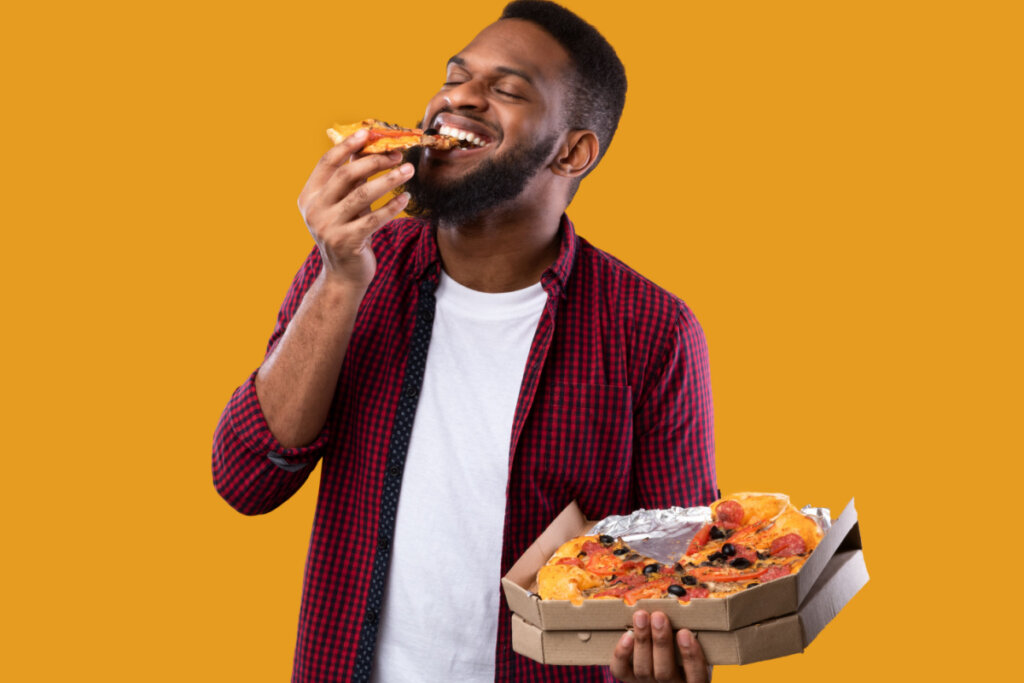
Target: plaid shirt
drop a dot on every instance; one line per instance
(614, 411)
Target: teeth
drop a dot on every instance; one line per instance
(472, 138)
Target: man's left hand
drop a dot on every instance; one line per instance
(648, 653)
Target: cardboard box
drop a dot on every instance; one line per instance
(773, 599)
(843, 576)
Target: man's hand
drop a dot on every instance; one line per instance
(648, 653)
(335, 203)
(298, 379)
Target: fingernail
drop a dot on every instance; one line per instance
(640, 619)
(685, 639)
(404, 197)
(627, 639)
(360, 134)
(405, 169)
(658, 620)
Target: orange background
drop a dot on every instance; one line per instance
(835, 206)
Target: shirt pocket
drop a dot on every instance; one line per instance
(587, 454)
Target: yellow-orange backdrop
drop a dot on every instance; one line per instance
(836, 208)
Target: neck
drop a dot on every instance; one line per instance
(500, 252)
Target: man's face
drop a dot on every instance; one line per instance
(506, 92)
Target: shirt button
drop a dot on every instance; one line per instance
(384, 540)
(395, 470)
(371, 616)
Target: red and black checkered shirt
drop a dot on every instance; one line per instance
(614, 412)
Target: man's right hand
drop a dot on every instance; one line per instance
(336, 205)
(297, 380)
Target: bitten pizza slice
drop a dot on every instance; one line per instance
(386, 137)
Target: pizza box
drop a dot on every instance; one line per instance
(774, 599)
(843, 576)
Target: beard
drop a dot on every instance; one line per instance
(496, 180)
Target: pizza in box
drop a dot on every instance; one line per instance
(752, 538)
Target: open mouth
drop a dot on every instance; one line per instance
(471, 138)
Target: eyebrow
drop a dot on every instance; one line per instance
(500, 69)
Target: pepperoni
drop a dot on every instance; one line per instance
(570, 560)
(697, 592)
(729, 512)
(746, 552)
(776, 572)
(633, 580)
(591, 548)
(649, 589)
(615, 592)
(788, 546)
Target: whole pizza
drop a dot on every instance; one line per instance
(753, 538)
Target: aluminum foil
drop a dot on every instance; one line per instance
(664, 535)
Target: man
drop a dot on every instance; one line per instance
(465, 375)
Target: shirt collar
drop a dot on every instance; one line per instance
(427, 260)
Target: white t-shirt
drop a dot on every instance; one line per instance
(440, 615)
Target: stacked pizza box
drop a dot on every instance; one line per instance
(777, 618)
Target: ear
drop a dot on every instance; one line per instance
(577, 154)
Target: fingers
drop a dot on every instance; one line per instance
(350, 176)
(350, 210)
(336, 156)
(695, 666)
(663, 650)
(622, 659)
(643, 659)
(649, 653)
(359, 199)
(370, 222)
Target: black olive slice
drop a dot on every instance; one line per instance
(605, 539)
(651, 568)
(689, 580)
(677, 590)
(717, 533)
(740, 563)
(728, 550)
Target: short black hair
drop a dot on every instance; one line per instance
(599, 85)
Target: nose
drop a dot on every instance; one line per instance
(467, 95)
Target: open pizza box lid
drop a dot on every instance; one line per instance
(843, 576)
(773, 599)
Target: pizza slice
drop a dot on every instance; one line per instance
(753, 538)
(386, 137)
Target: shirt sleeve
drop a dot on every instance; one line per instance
(252, 471)
(674, 447)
